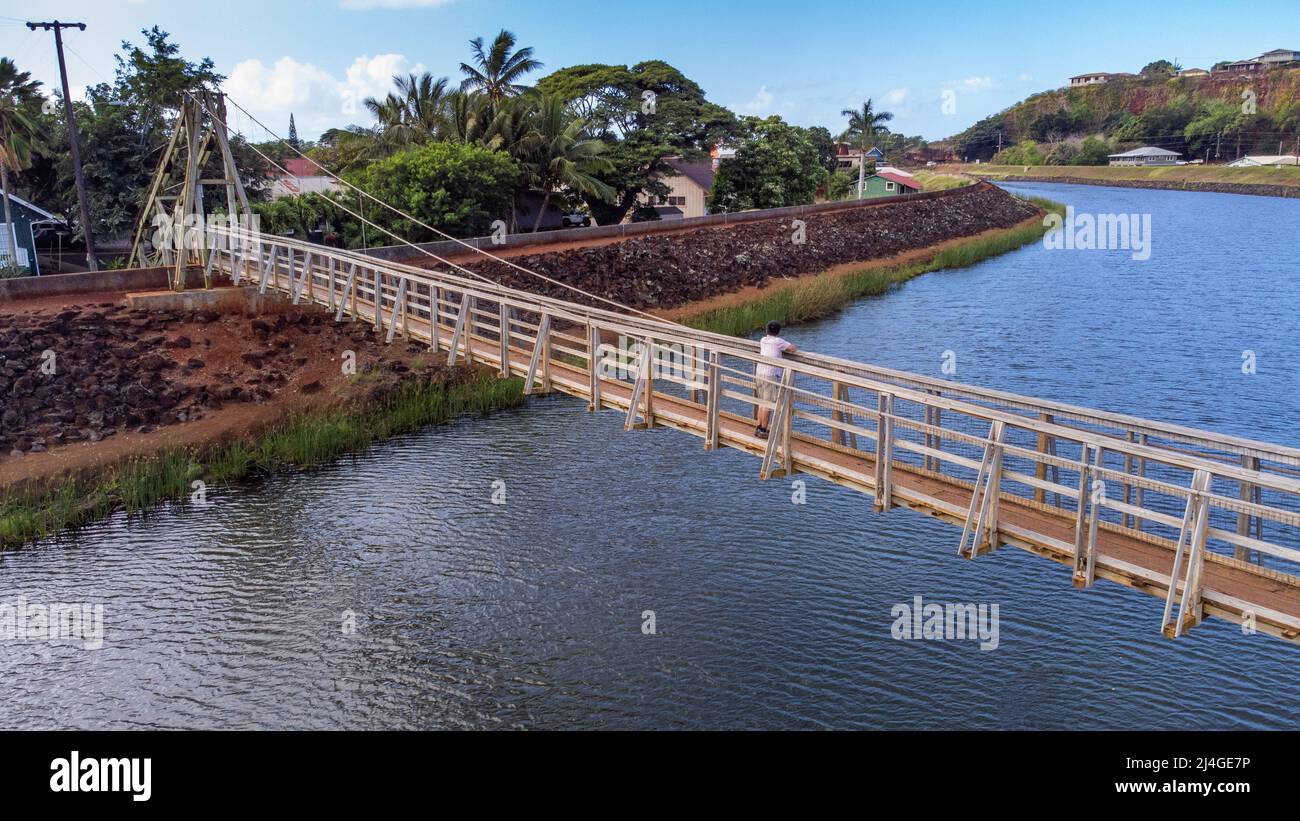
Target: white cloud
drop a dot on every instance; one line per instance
(896, 96)
(364, 5)
(317, 99)
(977, 83)
(1025, 77)
(760, 104)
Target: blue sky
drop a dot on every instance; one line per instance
(804, 60)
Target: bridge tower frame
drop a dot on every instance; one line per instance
(175, 198)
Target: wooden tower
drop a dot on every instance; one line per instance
(174, 207)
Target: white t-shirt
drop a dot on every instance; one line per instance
(772, 347)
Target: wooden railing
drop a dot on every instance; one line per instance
(1206, 520)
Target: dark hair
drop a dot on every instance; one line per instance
(773, 328)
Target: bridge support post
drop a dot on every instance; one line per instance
(1040, 468)
(399, 311)
(714, 400)
(435, 318)
(884, 451)
(349, 288)
(981, 526)
(1087, 517)
(641, 391)
(779, 426)
(535, 360)
(1192, 538)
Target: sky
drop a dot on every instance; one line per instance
(938, 66)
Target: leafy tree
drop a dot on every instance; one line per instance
(457, 188)
(416, 113)
(644, 114)
(1025, 152)
(19, 101)
(497, 70)
(865, 124)
(776, 164)
(1159, 68)
(1094, 151)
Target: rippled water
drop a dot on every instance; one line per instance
(768, 614)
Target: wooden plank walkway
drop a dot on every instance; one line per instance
(1188, 527)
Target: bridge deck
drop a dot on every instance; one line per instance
(1031, 449)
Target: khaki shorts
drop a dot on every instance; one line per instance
(766, 390)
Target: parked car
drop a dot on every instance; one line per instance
(575, 219)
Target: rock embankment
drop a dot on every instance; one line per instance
(667, 271)
(89, 372)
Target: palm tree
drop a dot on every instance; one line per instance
(18, 131)
(467, 117)
(416, 113)
(865, 125)
(497, 70)
(559, 154)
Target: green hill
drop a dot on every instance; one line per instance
(1223, 114)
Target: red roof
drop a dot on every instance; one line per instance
(302, 167)
(900, 179)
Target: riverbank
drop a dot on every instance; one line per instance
(665, 272)
(819, 295)
(1273, 181)
(107, 407)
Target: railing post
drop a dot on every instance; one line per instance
(1246, 494)
(593, 368)
(1040, 468)
(712, 435)
(1088, 516)
(884, 451)
(503, 335)
(535, 359)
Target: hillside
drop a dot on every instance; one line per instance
(1222, 114)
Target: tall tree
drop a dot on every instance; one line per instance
(497, 69)
(864, 125)
(293, 133)
(644, 114)
(19, 97)
(558, 154)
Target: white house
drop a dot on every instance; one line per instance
(304, 177)
(1147, 155)
(1265, 159)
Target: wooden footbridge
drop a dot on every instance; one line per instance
(1207, 522)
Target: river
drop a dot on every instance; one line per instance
(387, 590)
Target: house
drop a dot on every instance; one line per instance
(1193, 72)
(1265, 159)
(890, 183)
(304, 177)
(1240, 67)
(1147, 155)
(1278, 57)
(849, 156)
(688, 189)
(18, 242)
(1096, 78)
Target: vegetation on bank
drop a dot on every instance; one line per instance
(819, 296)
(33, 510)
(1261, 175)
(1216, 117)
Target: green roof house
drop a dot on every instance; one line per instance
(890, 184)
(18, 241)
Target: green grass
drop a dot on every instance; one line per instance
(31, 511)
(820, 296)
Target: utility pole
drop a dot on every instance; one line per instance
(73, 143)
